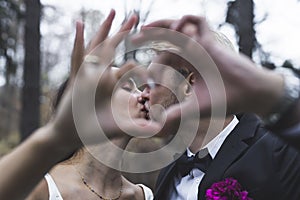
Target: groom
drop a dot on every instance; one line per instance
(265, 166)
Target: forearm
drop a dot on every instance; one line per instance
(264, 88)
(23, 168)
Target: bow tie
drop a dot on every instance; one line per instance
(201, 160)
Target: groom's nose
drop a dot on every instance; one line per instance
(145, 95)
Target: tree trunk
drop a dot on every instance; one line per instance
(246, 27)
(30, 115)
(241, 15)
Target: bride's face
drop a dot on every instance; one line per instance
(125, 100)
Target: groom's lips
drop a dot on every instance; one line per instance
(145, 109)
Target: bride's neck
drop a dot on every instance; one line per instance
(92, 165)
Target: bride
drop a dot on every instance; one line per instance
(83, 176)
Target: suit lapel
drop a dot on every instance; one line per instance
(164, 184)
(165, 180)
(231, 149)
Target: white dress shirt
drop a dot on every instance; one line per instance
(186, 188)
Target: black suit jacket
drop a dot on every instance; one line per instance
(265, 166)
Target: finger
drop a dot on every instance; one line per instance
(154, 34)
(128, 70)
(117, 127)
(182, 110)
(199, 22)
(103, 31)
(172, 121)
(184, 20)
(129, 24)
(175, 116)
(141, 128)
(78, 49)
(131, 70)
(127, 67)
(142, 36)
(124, 31)
(139, 38)
(166, 23)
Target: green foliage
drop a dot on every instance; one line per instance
(8, 143)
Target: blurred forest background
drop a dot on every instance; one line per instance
(28, 55)
(31, 44)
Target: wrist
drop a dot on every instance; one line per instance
(287, 103)
(48, 139)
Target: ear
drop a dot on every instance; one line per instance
(190, 80)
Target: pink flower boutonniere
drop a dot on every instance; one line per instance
(229, 189)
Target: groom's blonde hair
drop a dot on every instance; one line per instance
(221, 38)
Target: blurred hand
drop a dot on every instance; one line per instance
(79, 111)
(225, 81)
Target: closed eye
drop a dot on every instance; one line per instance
(129, 85)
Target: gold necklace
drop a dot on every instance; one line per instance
(101, 197)
(93, 191)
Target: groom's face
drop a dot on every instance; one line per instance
(167, 90)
